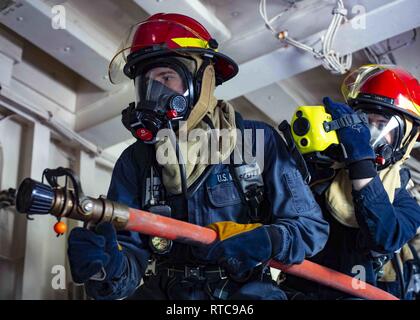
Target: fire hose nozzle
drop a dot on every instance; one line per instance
(34, 197)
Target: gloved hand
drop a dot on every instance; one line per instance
(91, 253)
(356, 141)
(239, 248)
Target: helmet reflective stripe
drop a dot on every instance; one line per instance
(191, 42)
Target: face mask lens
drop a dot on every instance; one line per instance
(384, 129)
(155, 89)
(168, 77)
(160, 85)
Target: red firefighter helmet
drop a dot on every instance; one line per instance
(165, 34)
(390, 97)
(384, 85)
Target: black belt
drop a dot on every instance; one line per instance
(200, 273)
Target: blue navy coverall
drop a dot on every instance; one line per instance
(291, 208)
(384, 228)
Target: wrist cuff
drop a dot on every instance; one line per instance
(362, 170)
(276, 240)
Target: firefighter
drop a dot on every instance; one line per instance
(372, 216)
(259, 209)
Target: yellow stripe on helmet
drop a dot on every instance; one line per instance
(191, 42)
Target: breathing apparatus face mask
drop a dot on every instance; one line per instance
(387, 129)
(164, 93)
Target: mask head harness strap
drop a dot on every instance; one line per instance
(346, 121)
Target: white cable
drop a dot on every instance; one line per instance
(269, 22)
(330, 59)
(333, 61)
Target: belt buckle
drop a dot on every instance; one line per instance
(193, 272)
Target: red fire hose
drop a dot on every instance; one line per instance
(156, 225)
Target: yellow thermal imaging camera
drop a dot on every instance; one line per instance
(310, 129)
